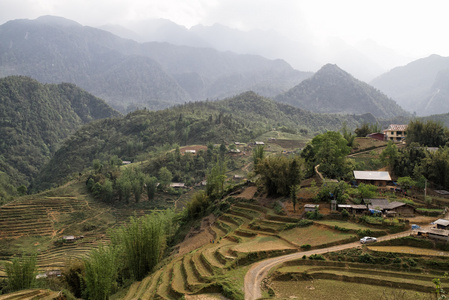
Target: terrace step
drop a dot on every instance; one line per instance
(164, 289)
(252, 206)
(192, 281)
(178, 282)
(149, 291)
(201, 270)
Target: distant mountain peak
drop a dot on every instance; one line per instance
(57, 21)
(333, 90)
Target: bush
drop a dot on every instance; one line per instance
(366, 258)
(21, 272)
(306, 247)
(316, 257)
(344, 214)
(364, 232)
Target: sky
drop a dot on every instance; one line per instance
(409, 27)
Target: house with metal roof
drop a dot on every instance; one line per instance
(378, 178)
(442, 224)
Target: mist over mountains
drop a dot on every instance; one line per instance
(196, 64)
(128, 74)
(365, 60)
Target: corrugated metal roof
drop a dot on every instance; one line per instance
(372, 175)
(442, 222)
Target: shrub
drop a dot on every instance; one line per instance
(21, 272)
(344, 214)
(366, 258)
(306, 247)
(316, 257)
(364, 232)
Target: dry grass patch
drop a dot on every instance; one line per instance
(336, 290)
(263, 243)
(347, 225)
(409, 250)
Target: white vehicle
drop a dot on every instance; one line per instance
(368, 239)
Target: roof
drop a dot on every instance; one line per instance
(434, 231)
(372, 175)
(177, 184)
(383, 204)
(397, 127)
(442, 222)
(311, 205)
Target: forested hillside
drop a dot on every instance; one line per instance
(129, 75)
(35, 118)
(332, 90)
(241, 118)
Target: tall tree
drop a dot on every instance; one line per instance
(279, 173)
(329, 150)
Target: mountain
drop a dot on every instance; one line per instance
(365, 60)
(241, 118)
(35, 118)
(420, 86)
(127, 74)
(332, 90)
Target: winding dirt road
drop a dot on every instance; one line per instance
(259, 271)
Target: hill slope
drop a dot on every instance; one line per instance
(332, 90)
(418, 86)
(35, 118)
(241, 118)
(128, 74)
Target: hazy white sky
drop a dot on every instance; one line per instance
(411, 27)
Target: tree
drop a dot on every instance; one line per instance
(150, 186)
(215, 179)
(366, 191)
(165, 177)
(389, 155)
(294, 189)
(258, 154)
(124, 188)
(101, 272)
(197, 205)
(143, 240)
(329, 150)
(406, 182)
(430, 133)
(21, 272)
(348, 135)
(279, 173)
(366, 129)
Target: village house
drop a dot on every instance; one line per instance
(190, 151)
(390, 209)
(395, 132)
(434, 233)
(377, 136)
(311, 207)
(377, 178)
(442, 224)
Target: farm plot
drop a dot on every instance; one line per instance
(330, 289)
(315, 235)
(409, 250)
(346, 225)
(263, 243)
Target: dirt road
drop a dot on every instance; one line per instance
(255, 275)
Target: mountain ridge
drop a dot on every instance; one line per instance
(333, 90)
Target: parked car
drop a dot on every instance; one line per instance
(368, 239)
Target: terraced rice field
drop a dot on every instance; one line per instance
(316, 235)
(409, 250)
(244, 234)
(314, 279)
